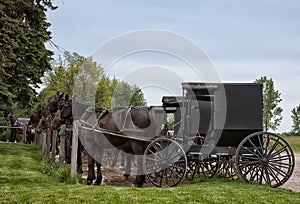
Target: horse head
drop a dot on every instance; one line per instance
(41, 125)
(53, 102)
(44, 117)
(11, 118)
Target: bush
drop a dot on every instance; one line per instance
(4, 136)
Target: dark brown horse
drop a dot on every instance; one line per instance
(15, 126)
(46, 113)
(116, 121)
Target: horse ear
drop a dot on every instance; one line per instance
(62, 95)
(67, 97)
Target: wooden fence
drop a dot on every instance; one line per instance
(43, 141)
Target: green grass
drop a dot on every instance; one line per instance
(25, 178)
(294, 141)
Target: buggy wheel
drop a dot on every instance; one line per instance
(228, 171)
(264, 158)
(206, 168)
(164, 162)
(227, 167)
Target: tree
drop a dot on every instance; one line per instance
(296, 120)
(271, 109)
(115, 93)
(137, 98)
(23, 56)
(124, 94)
(86, 80)
(62, 75)
(104, 94)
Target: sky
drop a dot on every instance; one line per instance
(243, 40)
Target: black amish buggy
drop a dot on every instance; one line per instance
(217, 128)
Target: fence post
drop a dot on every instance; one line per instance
(74, 150)
(35, 139)
(24, 134)
(44, 143)
(62, 150)
(48, 141)
(54, 138)
(41, 141)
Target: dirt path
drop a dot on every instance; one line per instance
(117, 179)
(294, 182)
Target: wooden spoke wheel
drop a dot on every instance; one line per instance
(228, 171)
(164, 162)
(207, 168)
(227, 167)
(264, 158)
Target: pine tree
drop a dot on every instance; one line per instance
(23, 56)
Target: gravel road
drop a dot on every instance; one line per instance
(294, 182)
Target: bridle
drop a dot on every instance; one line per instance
(64, 107)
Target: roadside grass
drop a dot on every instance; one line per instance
(26, 178)
(294, 141)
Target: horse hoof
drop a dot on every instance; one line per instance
(89, 182)
(97, 183)
(136, 186)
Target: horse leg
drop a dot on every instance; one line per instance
(57, 143)
(11, 138)
(127, 157)
(114, 159)
(98, 164)
(68, 151)
(140, 177)
(79, 160)
(14, 136)
(91, 170)
(99, 174)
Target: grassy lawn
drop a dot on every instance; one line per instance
(25, 178)
(294, 141)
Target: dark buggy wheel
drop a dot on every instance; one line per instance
(264, 158)
(164, 162)
(206, 168)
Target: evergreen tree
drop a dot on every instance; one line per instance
(23, 56)
(296, 120)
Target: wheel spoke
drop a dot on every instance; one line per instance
(281, 158)
(254, 173)
(155, 154)
(245, 148)
(273, 147)
(267, 175)
(278, 170)
(275, 177)
(255, 147)
(278, 152)
(281, 165)
(180, 154)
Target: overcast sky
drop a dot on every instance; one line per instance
(244, 39)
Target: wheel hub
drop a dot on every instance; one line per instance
(264, 161)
